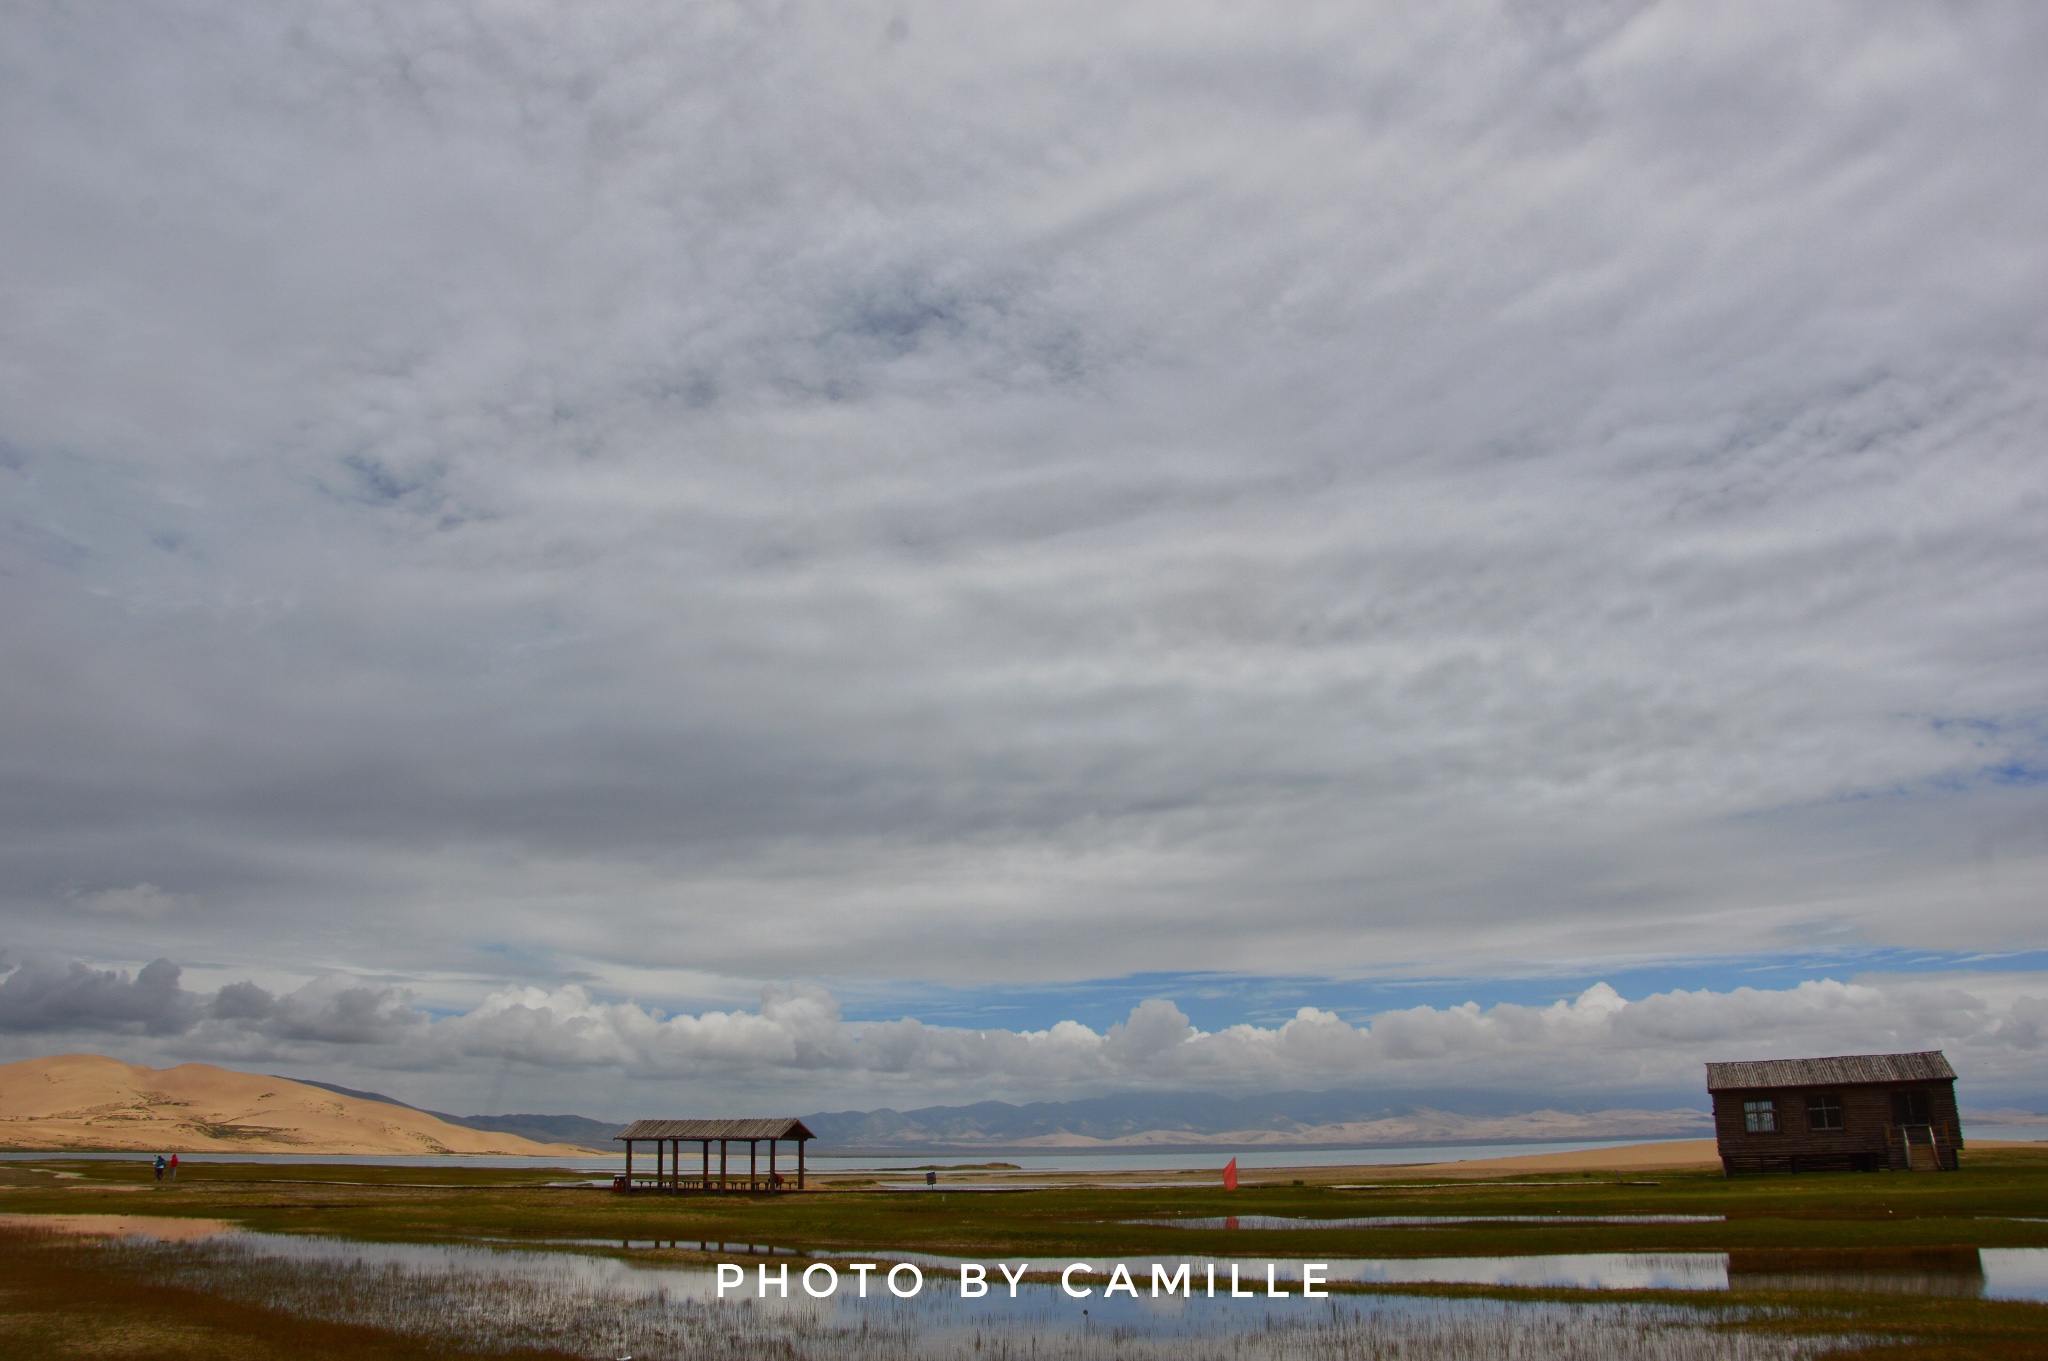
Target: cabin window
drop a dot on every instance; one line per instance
(1911, 1108)
(1824, 1112)
(1760, 1117)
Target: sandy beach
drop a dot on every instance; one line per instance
(1627, 1158)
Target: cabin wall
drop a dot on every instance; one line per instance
(1867, 1141)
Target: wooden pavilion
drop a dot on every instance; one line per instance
(669, 1136)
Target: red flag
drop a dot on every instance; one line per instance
(1230, 1175)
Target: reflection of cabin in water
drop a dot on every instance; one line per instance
(1855, 1113)
(669, 1136)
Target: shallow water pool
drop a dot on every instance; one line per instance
(605, 1307)
(1410, 1221)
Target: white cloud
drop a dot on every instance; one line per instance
(797, 1039)
(1598, 1038)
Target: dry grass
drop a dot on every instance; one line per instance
(68, 1298)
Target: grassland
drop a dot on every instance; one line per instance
(1808, 1221)
(1986, 1204)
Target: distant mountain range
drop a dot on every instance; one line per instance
(1207, 1120)
(257, 1118)
(1147, 1120)
(546, 1129)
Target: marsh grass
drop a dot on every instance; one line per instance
(1987, 1204)
(560, 1305)
(1792, 1225)
(62, 1297)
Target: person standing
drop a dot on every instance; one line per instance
(160, 1167)
(174, 1167)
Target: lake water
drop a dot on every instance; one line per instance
(1265, 1159)
(1409, 1221)
(1084, 1160)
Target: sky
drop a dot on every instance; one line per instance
(718, 557)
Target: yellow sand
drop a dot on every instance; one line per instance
(87, 1101)
(1628, 1158)
(1677, 1153)
(163, 1228)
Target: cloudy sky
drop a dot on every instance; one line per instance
(746, 555)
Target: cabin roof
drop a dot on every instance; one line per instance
(1843, 1070)
(775, 1127)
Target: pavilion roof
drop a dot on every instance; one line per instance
(776, 1127)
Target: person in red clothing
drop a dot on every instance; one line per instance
(174, 1167)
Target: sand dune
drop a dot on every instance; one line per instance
(87, 1101)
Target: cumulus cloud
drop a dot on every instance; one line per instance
(36, 996)
(797, 1036)
(327, 1009)
(1598, 1039)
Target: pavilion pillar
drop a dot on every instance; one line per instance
(753, 1164)
(629, 1164)
(771, 1165)
(721, 1164)
(799, 1164)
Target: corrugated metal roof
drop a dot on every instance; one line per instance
(782, 1127)
(1843, 1070)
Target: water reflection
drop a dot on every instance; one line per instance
(656, 1245)
(1952, 1272)
(2006, 1273)
(1410, 1221)
(483, 1301)
(1550, 1271)
(1969, 1273)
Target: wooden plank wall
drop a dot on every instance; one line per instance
(1867, 1141)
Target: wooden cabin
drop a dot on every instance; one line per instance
(669, 1136)
(1853, 1113)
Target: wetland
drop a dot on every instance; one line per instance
(250, 1258)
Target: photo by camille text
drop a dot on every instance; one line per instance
(904, 1280)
